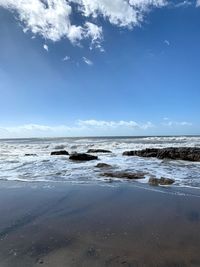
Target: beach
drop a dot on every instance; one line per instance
(59, 210)
(99, 133)
(98, 225)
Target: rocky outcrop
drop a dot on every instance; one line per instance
(149, 152)
(98, 151)
(175, 153)
(161, 181)
(154, 181)
(166, 181)
(82, 157)
(60, 152)
(103, 165)
(30, 155)
(125, 175)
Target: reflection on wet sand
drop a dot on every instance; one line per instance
(98, 226)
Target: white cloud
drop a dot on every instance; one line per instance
(119, 12)
(198, 3)
(33, 130)
(87, 61)
(167, 42)
(94, 127)
(115, 124)
(80, 128)
(46, 47)
(66, 58)
(95, 33)
(169, 123)
(51, 19)
(184, 3)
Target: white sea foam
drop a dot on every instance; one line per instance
(14, 165)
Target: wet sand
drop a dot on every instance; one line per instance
(92, 225)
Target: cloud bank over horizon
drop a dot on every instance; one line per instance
(89, 128)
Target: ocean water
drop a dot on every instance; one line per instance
(14, 165)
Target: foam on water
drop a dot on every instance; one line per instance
(14, 165)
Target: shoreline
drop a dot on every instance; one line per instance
(62, 160)
(93, 225)
(101, 136)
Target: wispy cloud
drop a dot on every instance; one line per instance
(184, 3)
(121, 13)
(171, 123)
(198, 3)
(79, 128)
(46, 47)
(33, 130)
(87, 61)
(94, 127)
(66, 58)
(115, 124)
(167, 42)
(52, 19)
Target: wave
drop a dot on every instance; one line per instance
(15, 166)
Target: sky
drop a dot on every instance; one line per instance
(99, 67)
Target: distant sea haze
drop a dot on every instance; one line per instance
(40, 166)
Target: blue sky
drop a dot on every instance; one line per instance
(115, 69)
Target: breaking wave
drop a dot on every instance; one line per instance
(14, 165)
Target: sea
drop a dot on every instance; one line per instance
(42, 167)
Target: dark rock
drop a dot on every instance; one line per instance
(98, 151)
(166, 181)
(103, 165)
(41, 261)
(82, 157)
(60, 152)
(126, 175)
(30, 155)
(154, 181)
(175, 153)
(149, 152)
(162, 181)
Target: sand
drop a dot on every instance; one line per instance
(91, 225)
